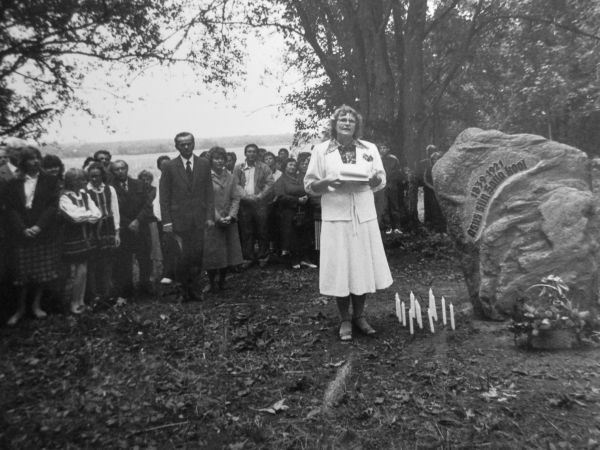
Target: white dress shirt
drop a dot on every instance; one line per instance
(185, 161)
(30, 185)
(249, 174)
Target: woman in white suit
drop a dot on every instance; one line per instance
(346, 171)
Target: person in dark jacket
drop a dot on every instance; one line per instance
(256, 180)
(135, 210)
(187, 209)
(294, 216)
(387, 200)
(6, 288)
(31, 206)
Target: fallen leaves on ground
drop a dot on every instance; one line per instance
(248, 369)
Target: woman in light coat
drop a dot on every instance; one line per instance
(222, 247)
(346, 171)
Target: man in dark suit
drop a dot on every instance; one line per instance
(187, 207)
(6, 174)
(135, 209)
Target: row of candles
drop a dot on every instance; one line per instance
(415, 313)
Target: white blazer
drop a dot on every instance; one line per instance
(349, 199)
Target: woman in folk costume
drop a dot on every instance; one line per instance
(222, 248)
(79, 212)
(31, 207)
(346, 171)
(106, 231)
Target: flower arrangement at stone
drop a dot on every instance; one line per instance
(550, 320)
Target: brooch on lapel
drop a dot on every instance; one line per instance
(368, 158)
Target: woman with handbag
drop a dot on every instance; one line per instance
(294, 216)
(222, 247)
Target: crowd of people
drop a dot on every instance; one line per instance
(83, 228)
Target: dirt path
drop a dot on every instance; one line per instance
(249, 369)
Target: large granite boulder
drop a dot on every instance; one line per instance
(519, 207)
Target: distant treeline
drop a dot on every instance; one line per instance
(162, 145)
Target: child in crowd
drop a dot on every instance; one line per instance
(106, 231)
(80, 212)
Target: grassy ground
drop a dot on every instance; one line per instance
(260, 366)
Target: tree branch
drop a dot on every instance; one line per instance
(25, 121)
(434, 22)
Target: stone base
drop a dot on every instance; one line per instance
(553, 340)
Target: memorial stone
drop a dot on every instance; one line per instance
(519, 208)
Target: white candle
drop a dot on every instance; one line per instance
(403, 313)
(452, 316)
(398, 312)
(432, 305)
(418, 314)
(411, 313)
(443, 310)
(412, 300)
(430, 314)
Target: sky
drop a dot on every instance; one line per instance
(163, 101)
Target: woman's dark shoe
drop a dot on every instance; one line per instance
(364, 327)
(345, 331)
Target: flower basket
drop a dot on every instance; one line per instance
(550, 321)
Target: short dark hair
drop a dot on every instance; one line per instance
(183, 134)
(160, 159)
(283, 149)
(216, 151)
(88, 161)
(249, 146)
(287, 161)
(304, 155)
(102, 152)
(98, 166)
(26, 153)
(49, 161)
(118, 161)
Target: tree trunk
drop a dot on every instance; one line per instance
(414, 105)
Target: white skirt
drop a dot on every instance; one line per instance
(352, 259)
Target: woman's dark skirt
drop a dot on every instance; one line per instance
(105, 234)
(37, 263)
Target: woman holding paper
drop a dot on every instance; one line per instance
(345, 171)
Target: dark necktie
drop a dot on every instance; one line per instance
(188, 170)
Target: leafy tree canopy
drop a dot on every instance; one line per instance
(48, 46)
